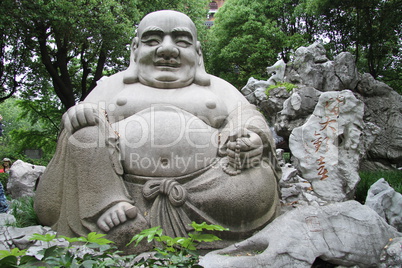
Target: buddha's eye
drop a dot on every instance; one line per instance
(151, 40)
(183, 41)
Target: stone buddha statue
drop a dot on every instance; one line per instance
(162, 143)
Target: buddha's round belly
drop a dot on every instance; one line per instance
(165, 141)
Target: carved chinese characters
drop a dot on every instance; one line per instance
(327, 145)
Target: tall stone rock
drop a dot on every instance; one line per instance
(328, 147)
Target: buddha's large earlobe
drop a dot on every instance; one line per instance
(201, 77)
(131, 73)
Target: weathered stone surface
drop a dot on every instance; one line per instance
(23, 178)
(346, 71)
(384, 200)
(327, 146)
(254, 90)
(391, 257)
(277, 72)
(346, 233)
(312, 68)
(368, 86)
(6, 218)
(384, 109)
(295, 110)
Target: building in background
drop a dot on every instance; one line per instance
(213, 8)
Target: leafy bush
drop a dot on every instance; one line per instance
(178, 251)
(368, 178)
(97, 251)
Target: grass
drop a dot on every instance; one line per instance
(23, 211)
(368, 178)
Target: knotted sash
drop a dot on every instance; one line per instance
(167, 211)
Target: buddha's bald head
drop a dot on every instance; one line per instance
(166, 53)
(168, 18)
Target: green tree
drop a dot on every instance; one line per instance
(30, 124)
(248, 36)
(72, 43)
(371, 30)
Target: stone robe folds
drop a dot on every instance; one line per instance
(86, 177)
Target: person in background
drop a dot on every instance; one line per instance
(6, 165)
(3, 200)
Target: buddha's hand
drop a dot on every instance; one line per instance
(116, 215)
(80, 116)
(244, 149)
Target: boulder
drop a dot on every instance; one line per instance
(384, 200)
(383, 108)
(346, 233)
(391, 256)
(23, 179)
(312, 68)
(6, 219)
(327, 148)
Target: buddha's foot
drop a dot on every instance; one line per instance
(116, 215)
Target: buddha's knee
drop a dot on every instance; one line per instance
(88, 137)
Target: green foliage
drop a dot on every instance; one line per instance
(368, 178)
(248, 36)
(23, 211)
(289, 87)
(70, 44)
(371, 30)
(30, 124)
(102, 254)
(178, 251)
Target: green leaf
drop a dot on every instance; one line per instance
(45, 237)
(14, 252)
(150, 234)
(96, 238)
(73, 239)
(204, 226)
(9, 261)
(54, 251)
(204, 237)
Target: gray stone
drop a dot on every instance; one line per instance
(346, 70)
(6, 219)
(391, 257)
(368, 86)
(327, 146)
(384, 200)
(384, 111)
(345, 233)
(277, 72)
(162, 143)
(23, 178)
(296, 109)
(312, 68)
(20, 237)
(254, 90)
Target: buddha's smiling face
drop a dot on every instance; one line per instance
(166, 52)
